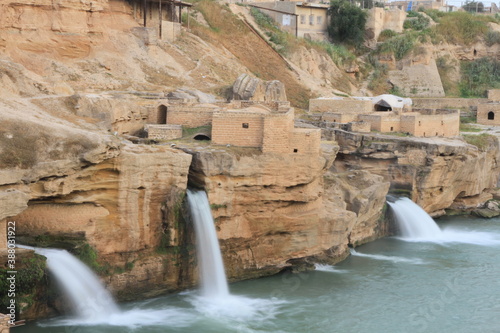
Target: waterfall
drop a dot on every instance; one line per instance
(89, 299)
(212, 275)
(413, 221)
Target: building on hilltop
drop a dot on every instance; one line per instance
(268, 126)
(387, 113)
(301, 18)
(489, 113)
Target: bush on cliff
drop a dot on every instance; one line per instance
(478, 76)
(347, 23)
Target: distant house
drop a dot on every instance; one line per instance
(304, 19)
(164, 17)
(489, 113)
(388, 113)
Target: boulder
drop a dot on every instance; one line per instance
(249, 88)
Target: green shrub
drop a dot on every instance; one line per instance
(399, 45)
(347, 22)
(416, 22)
(492, 37)
(478, 76)
(435, 14)
(386, 34)
(481, 141)
(461, 28)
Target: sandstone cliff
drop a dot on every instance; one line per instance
(434, 172)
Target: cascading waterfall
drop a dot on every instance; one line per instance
(413, 221)
(416, 225)
(88, 297)
(212, 274)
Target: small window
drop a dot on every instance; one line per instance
(244, 125)
(419, 123)
(295, 150)
(392, 128)
(491, 115)
(319, 20)
(437, 134)
(302, 19)
(311, 19)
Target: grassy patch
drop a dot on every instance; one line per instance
(469, 128)
(478, 76)
(399, 46)
(461, 27)
(186, 131)
(445, 68)
(481, 141)
(88, 255)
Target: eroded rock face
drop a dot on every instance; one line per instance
(275, 210)
(434, 172)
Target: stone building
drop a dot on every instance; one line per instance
(380, 19)
(489, 113)
(388, 113)
(304, 19)
(268, 126)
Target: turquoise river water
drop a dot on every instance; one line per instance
(390, 285)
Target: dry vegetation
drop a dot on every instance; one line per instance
(226, 29)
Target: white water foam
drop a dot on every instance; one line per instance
(387, 258)
(134, 318)
(89, 300)
(92, 304)
(215, 300)
(328, 268)
(417, 226)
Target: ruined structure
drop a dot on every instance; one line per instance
(488, 113)
(388, 113)
(380, 19)
(268, 126)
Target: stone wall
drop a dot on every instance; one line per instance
(339, 105)
(339, 117)
(277, 131)
(483, 113)
(382, 123)
(444, 103)
(190, 116)
(164, 132)
(423, 125)
(358, 126)
(305, 141)
(494, 95)
(238, 129)
(380, 19)
(170, 30)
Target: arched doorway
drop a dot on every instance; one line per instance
(201, 137)
(491, 115)
(162, 115)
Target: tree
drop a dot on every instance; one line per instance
(347, 22)
(474, 6)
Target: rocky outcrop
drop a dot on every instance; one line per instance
(274, 211)
(364, 194)
(249, 88)
(434, 172)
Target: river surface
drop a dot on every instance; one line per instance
(390, 285)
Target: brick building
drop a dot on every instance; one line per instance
(489, 113)
(388, 113)
(265, 125)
